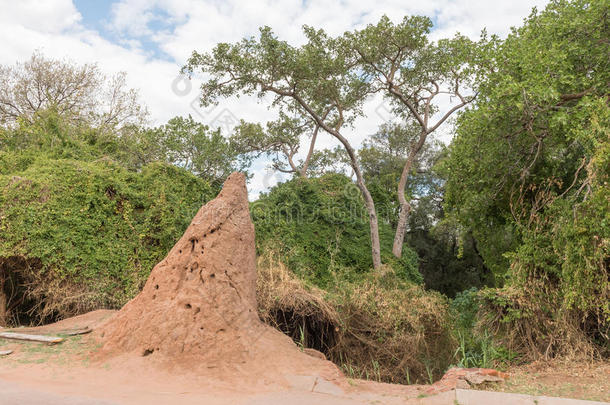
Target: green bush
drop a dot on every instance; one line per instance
(476, 346)
(320, 227)
(94, 229)
(528, 175)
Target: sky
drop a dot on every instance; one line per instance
(151, 39)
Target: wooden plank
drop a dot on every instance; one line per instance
(78, 331)
(31, 338)
(5, 352)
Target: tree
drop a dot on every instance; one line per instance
(448, 257)
(319, 231)
(195, 147)
(80, 93)
(281, 141)
(316, 79)
(528, 174)
(383, 158)
(401, 63)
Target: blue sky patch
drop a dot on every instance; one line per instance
(97, 16)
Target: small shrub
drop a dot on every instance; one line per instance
(476, 345)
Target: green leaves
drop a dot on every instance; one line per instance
(316, 78)
(319, 227)
(195, 147)
(94, 225)
(522, 171)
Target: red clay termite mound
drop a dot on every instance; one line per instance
(198, 306)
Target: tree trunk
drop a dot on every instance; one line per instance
(312, 144)
(368, 202)
(405, 206)
(373, 224)
(368, 199)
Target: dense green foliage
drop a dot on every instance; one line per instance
(194, 146)
(449, 261)
(320, 228)
(528, 175)
(93, 228)
(96, 224)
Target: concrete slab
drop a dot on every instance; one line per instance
(474, 397)
(444, 398)
(326, 387)
(565, 401)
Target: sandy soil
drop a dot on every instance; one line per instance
(71, 372)
(129, 380)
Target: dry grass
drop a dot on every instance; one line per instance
(35, 296)
(569, 379)
(527, 322)
(299, 311)
(393, 332)
(54, 298)
(379, 328)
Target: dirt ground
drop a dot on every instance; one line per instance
(576, 379)
(72, 370)
(70, 373)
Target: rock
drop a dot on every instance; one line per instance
(477, 378)
(462, 384)
(464, 378)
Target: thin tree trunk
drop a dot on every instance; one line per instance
(303, 171)
(368, 202)
(405, 206)
(368, 199)
(373, 222)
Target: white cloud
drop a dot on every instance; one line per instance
(42, 16)
(55, 27)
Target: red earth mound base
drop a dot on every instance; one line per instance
(198, 308)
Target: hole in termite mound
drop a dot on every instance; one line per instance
(147, 352)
